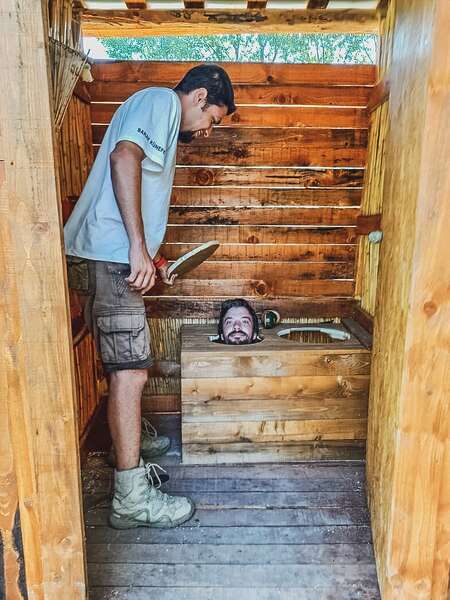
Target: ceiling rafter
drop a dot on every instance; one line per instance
(258, 4)
(136, 4)
(142, 23)
(194, 4)
(316, 4)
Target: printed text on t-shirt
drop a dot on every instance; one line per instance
(150, 141)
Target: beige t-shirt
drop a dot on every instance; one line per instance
(151, 119)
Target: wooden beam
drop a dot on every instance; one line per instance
(408, 450)
(367, 223)
(194, 4)
(136, 4)
(378, 95)
(258, 4)
(317, 4)
(124, 23)
(177, 308)
(36, 362)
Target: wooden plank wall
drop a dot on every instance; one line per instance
(279, 185)
(75, 151)
(36, 366)
(368, 253)
(408, 448)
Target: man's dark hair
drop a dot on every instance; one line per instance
(237, 302)
(215, 80)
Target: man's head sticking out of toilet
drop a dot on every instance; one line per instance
(238, 323)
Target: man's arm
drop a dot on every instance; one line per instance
(126, 175)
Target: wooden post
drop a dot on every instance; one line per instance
(408, 450)
(35, 341)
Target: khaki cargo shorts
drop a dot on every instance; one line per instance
(114, 313)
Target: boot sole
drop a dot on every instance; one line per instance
(125, 523)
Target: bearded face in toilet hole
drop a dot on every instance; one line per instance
(238, 323)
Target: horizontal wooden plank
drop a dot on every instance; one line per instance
(163, 307)
(320, 516)
(298, 271)
(285, 364)
(312, 177)
(238, 535)
(261, 409)
(161, 403)
(229, 554)
(326, 592)
(242, 215)
(241, 517)
(255, 288)
(294, 94)
(309, 392)
(270, 116)
(270, 252)
(123, 23)
(260, 234)
(271, 147)
(274, 431)
(158, 72)
(352, 473)
(264, 452)
(264, 197)
(276, 147)
(275, 576)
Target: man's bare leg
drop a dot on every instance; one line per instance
(124, 415)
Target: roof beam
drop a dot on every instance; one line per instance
(199, 4)
(315, 4)
(142, 23)
(136, 4)
(259, 4)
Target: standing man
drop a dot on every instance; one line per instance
(112, 241)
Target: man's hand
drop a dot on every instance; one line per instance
(162, 273)
(143, 271)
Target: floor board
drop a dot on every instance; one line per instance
(264, 532)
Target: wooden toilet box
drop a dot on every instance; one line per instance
(274, 400)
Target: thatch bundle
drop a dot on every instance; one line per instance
(67, 57)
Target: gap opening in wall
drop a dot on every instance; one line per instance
(258, 48)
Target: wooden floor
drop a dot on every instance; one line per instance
(261, 532)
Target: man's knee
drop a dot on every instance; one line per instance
(129, 376)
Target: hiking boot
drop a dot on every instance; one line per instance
(152, 444)
(138, 503)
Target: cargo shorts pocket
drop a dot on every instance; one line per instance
(123, 338)
(118, 272)
(78, 275)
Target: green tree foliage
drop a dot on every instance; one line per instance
(277, 48)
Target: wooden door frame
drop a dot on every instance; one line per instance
(36, 358)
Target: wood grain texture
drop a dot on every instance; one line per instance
(260, 234)
(275, 392)
(159, 72)
(272, 147)
(300, 522)
(242, 215)
(269, 177)
(271, 116)
(12, 582)
(272, 94)
(269, 252)
(107, 23)
(409, 418)
(35, 354)
(264, 197)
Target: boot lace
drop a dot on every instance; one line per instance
(149, 429)
(151, 472)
